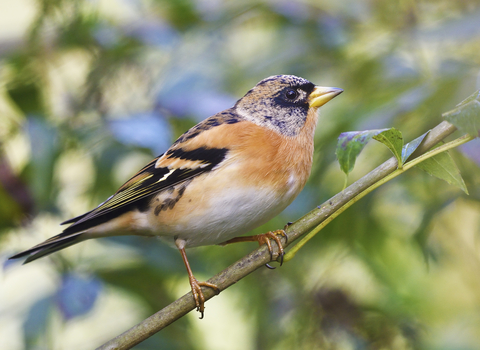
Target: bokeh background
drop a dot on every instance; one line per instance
(91, 90)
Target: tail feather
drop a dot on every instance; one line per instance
(50, 246)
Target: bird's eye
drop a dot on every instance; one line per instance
(291, 94)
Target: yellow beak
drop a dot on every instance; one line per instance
(321, 95)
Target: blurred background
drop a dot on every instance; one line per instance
(91, 90)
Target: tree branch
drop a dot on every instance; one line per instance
(261, 256)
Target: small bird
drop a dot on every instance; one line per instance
(225, 176)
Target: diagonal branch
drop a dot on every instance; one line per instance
(261, 256)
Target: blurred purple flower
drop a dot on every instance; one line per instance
(77, 295)
(196, 103)
(6, 262)
(148, 129)
(153, 33)
(397, 67)
(295, 11)
(210, 10)
(472, 150)
(106, 35)
(332, 30)
(404, 103)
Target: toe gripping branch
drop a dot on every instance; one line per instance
(198, 294)
(266, 238)
(274, 235)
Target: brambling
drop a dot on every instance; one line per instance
(225, 176)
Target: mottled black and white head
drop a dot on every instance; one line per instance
(282, 102)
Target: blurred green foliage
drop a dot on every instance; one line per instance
(399, 270)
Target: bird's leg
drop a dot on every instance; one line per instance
(194, 284)
(264, 239)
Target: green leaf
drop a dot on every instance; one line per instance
(349, 146)
(410, 147)
(443, 167)
(392, 138)
(466, 117)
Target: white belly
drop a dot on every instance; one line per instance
(226, 218)
(223, 217)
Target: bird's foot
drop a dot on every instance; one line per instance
(265, 239)
(198, 294)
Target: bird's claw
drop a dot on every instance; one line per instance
(270, 266)
(198, 294)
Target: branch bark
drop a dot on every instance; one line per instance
(261, 256)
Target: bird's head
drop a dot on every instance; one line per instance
(282, 102)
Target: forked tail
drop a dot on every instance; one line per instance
(50, 246)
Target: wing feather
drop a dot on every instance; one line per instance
(158, 175)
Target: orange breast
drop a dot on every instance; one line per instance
(263, 173)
